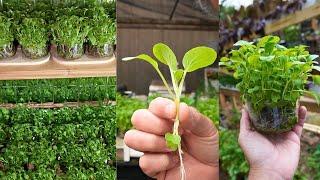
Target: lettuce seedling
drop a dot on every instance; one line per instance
(193, 60)
(272, 78)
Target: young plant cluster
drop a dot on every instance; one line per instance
(66, 143)
(271, 76)
(58, 90)
(6, 38)
(67, 24)
(32, 35)
(193, 60)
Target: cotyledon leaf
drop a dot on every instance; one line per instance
(144, 57)
(165, 55)
(198, 57)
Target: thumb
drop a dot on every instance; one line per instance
(195, 122)
(244, 122)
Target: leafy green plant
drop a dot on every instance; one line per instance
(272, 78)
(6, 38)
(231, 156)
(32, 35)
(62, 143)
(58, 90)
(193, 60)
(101, 36)
(125, 108)
(69, 34)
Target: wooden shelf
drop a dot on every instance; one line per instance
(294, 18)
(52, 70)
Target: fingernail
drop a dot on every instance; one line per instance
(170, 110)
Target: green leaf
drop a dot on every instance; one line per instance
(316, 79)
(145, 58)
(198, 57)
(268, 40)
(178, 75)
(242, 43)
(313, 57)
(165, 55)
(173, 141)
(256, 88)
(267, 58)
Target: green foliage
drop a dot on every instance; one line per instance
(313, 162)
(103, 31)
(292, 34)
(270, 74)
(58, 90)
(125, 108)
(70, 30)
(32, 33)
(71, 143)
(6, 35)
(232, 159)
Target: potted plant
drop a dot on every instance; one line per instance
(32, 35)
(7, 48)
(272, 79)
(69, 34)
(101, 37)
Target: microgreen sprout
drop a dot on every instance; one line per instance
(193, 60)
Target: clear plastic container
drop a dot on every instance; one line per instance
(105, 50)
(35, 53)
(273, 120)
(70, 53)
(7, 50)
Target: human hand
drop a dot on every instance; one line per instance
(271, 156)
(200, 142)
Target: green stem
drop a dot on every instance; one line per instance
(165, 83)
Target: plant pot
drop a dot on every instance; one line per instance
(70, 53)
(105, 50)
(273, 120)
(35, 53)
(7, 50)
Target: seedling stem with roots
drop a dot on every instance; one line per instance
(193, 60)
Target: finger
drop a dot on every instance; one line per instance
(152, 164)
(302, 114)
(244, 122)
(195, 122)
(163, 108)
(145, 142)
(146, 121)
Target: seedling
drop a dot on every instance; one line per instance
(32, 34)
(193, 60)
(272, 78)
(7, 48)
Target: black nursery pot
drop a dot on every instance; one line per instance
(35, 53)
(7, 50)
(105, 50)
(70, 53)
(273, 120)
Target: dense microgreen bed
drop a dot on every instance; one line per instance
(71, 143)
(58, 90)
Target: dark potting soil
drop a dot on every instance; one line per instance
(274, 120)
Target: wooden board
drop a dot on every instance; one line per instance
(312, 128)
(51, 70)
(19, 59)
(84, 60)
(294, 18)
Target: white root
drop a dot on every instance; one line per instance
(182, 169)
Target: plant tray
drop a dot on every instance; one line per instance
(84, 60)
(19, 59)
